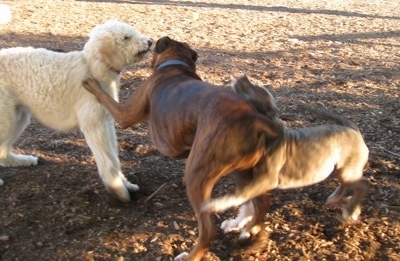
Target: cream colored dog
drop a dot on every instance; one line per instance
(48, 85)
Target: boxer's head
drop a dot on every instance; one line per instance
(168, 49)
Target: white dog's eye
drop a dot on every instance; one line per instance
(127, 38)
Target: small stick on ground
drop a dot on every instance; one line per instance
(155, 192)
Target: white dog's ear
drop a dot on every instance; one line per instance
(107, 52)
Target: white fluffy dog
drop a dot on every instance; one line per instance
(48, 85)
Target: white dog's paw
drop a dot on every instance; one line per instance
(118, 189)
(120, 193)
(14, 160)
(181, 257)
(130, 186)
(1, 182)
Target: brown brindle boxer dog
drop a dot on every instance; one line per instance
(217, 130)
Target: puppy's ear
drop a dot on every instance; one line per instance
(195, 56)
(162, 44)
(244, 87)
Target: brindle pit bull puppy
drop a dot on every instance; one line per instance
(303, 157)
(218, 130)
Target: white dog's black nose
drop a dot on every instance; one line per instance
(149, 42)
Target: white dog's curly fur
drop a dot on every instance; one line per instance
(48, 85)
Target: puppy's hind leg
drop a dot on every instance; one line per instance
(13, 121)
(251, 213)
(98, 128)
(262, 182)
(336, 195)
(245, 215)
(351, 176)
(353, 209)
(254, 226)
(246, 211)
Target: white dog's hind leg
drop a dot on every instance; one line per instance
(13, 121)
(100, 135)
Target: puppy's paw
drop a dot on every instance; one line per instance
(230, 226)
(247, 233)
(351, 216)
(181, 257)
(14, 160)
(1, 182)
(244, 235)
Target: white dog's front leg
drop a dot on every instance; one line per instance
(101, 137)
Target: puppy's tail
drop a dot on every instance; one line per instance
(335, 118)
(338, 120)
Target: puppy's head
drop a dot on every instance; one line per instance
(169, 49)
(116, 44)
(258, 96)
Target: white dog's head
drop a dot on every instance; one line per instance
(115, 45)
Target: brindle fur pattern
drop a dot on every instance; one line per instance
(303, 157)
(217, 129)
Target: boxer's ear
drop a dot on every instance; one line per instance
(162, 44)
(194, 56)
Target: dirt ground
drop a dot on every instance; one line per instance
(340, 55)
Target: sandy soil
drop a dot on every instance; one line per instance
(340, 55)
